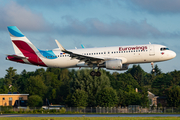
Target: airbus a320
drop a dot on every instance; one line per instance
(113, 58)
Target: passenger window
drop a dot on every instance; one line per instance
(104, 52)
(108, 52)
(112, 52)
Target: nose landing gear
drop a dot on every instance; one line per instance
(152, 65)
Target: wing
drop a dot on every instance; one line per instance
(83, 58)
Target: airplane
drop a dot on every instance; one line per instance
(112, 58)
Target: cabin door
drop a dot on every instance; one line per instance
(151, 50)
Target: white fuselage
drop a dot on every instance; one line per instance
(128, 54)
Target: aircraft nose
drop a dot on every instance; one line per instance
(173, 54)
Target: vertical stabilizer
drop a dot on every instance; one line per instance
(20, 42)
(23, 48)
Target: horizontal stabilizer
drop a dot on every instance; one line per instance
(18, 57)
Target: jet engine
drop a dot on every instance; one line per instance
(116, 64)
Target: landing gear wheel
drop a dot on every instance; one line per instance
(93, 73)
(98, 73)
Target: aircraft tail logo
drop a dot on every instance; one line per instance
(23, 47)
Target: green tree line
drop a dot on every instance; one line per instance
(76, 88)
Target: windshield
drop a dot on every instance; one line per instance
(164, 49)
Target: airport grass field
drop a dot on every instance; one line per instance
(91, 118)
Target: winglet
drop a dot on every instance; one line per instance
(60, 46)
(82, 46)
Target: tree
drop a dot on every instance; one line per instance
(132, 97)
(35, 86)
(39, 72)
(107, 97)
(92, 85)
(121, 97)
(173, 96)
(144, 98)
(79, 98)
(161, 83)
(129, 97)
(4, 89)
(1, 82)
(9, 77)
(122, 80)
(176, 77)
(138, 73)
(35, 101)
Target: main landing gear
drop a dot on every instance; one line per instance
(152, 65)
(93, 73)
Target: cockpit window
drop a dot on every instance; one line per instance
(164, 49)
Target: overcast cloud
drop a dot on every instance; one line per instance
(93, 26)
(13, 14)
(158, 6)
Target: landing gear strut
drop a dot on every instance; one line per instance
(152, 65)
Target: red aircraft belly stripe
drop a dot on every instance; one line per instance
(28, 52)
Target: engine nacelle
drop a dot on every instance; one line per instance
(116, 65)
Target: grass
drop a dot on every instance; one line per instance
(90, 118)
